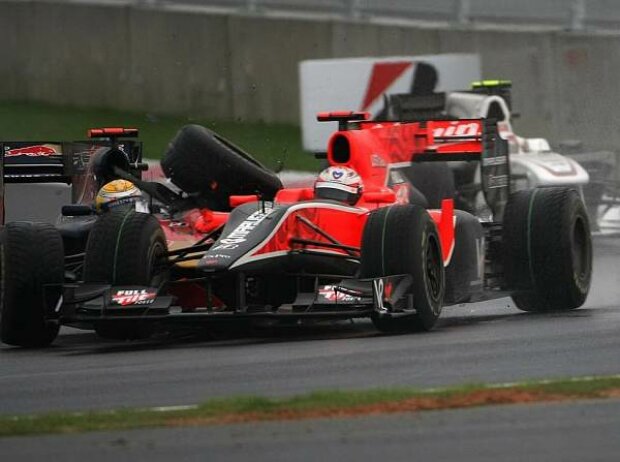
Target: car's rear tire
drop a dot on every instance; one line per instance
(434, 180)
(125, 248)
(547, 249)
(201, 162)
(32, 257)
(403, 239)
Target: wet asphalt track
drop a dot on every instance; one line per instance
(559, 432)
(487, 342)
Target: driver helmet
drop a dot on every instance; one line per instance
(341, 184)
(117, 193)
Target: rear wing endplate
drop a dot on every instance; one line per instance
(468, 140)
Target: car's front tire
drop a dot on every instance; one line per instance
(32, 259)
(403, 239)
(125, 248)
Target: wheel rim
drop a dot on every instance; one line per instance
(580, 249)
(433, 268)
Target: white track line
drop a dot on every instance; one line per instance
(189, 407)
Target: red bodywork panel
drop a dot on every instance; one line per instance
(113, 132)
(193, 227)
(376, 146)
(371, 148)
(344, 224)
(444, 219)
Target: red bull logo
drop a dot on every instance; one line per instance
(40, 150)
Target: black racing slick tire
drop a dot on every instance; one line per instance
(202, 162)
(32, 276)
(125, 248)
(434, 180)
(547, 249)
(403, 239)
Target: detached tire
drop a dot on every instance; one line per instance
(32, 256)
(403, 239)
(547, 249)
(125, 248)
(201, 162)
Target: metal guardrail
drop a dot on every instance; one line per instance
(574, 15)
(564, 14)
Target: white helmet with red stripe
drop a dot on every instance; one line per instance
(341, 184)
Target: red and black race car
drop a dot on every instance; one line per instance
(224, 241)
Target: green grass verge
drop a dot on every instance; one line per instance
(318, 404)
(269, 143)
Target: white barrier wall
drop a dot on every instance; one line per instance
(358, 84)
(245, 67)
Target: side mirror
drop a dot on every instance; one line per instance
(235, 201)
(76, 210)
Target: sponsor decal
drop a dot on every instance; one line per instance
(402, 193)
(133, 297)
(80, 160)
(396, 177)
(215, 259)
(382, 291)
(119, 203)
(337, 174)
(499, 181)
(377, 161)
(39, 150)
(240, 233)
(378, 291)
(333, 294)
(457, 129)
(220, 255)
(493, 161)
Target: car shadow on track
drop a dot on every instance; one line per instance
(87, 343)
(229, 338)
(460, 321)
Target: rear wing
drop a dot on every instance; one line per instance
(472, 140)
(368, 146)
(68, 162)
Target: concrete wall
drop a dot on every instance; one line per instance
(245, 68)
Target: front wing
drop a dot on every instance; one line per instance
(86, 304)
